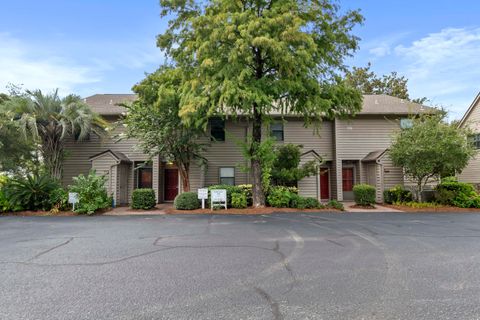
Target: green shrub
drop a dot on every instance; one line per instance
(312, 203)
(186, 201)
(92, 194)
(296, 201)
(397, 194)
(334, 204)
(280, 197)
(418, 205)
(459, 194)
(364, 194)
(31, 192)
(239, 200)
(247, 190)
(59, 200)
(143, 199)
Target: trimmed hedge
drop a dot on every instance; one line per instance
(143, 199)
(459, 194)
(397, 194)
(239, 200)
(364, 194)
(186, 201)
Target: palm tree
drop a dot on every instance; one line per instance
(49, 119)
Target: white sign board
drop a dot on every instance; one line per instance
(219, 197)
(202, 195)
(73, 198)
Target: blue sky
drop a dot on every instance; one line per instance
(106, 46)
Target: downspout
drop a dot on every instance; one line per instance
(381, 180)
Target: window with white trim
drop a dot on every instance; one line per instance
(227, 176)
(276, 131)
(475, 139)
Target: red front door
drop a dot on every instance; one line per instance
(347, 179)
(324, 184)
(171, 184)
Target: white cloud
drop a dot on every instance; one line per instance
(444, 66)
(36, 68)
(383, 46)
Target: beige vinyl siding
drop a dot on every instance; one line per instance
(471, 173)
(358, 137)
(322, 142)
(309, 186)
(226, 153)
(355, 138)
(79, 152)
(392, 175)
(106, 165)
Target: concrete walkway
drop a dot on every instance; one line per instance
(127, 211)
(378, 208)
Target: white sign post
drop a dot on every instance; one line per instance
(219, 197)
(202, 195)
(73, 199)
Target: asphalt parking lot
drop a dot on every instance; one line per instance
(282, 266)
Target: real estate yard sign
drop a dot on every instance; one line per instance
(73, 199)
(219, 197)
(202, 195)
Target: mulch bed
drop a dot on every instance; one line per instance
(356, 206)
(249, 211)
(39, 213)
(431, 209)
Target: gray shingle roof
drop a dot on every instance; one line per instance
(121, 157)
(374, 155)
(106, 104)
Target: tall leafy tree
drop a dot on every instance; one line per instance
(368, 82)
(256, 57)
(431, 148)
(287, 170)
(154, 120)
(16, 152)
(49, 119)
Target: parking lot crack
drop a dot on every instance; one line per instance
(274, 307)
(51, 249)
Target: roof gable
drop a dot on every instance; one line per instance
(469, 111)
(118, 156)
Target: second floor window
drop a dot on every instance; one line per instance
(217, 129)
(276, 131)
(475, 140)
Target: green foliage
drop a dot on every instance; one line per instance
(143, 199)
(459, 194)
(281, 197)
(397, 194)
(153, 119)
(91, 193)
(286, 167)
(334, 204)
(16, 151)
(364, 194)
(59, 200)
(186, 201)
(247, 190)
(31, 192)
(431, 148)
(48, 119)
(239, 200)
(255, 57)
(4, 203)
(299, 202)
(365, 80)
(418, 205)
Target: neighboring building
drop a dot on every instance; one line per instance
(471, 120)
(354, 151)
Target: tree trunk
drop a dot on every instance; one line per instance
(52, 154)
(419, 190)
(184, 174)
(256, 165)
